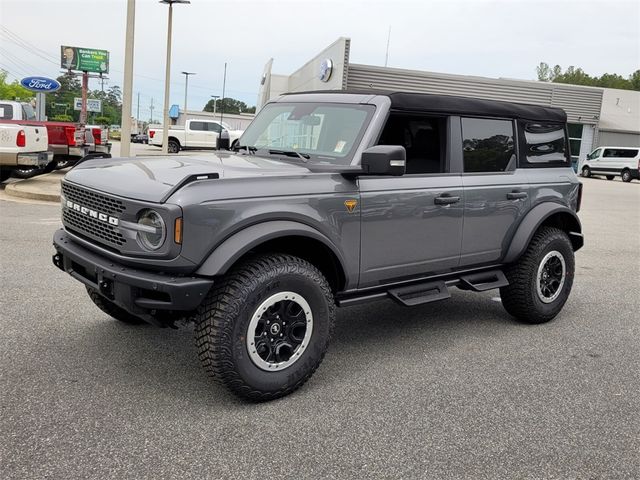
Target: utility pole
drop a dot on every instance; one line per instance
(151, 109)
(127, 92)
(186, 87)
(215, 100)
(224, 84)
(138, 109)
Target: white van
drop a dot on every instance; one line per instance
(613, 161)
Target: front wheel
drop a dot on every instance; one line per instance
(586, 172)
(541, 280)
(626, 176)
(265, 330)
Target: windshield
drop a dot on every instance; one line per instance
(594, 154)
(324, 132)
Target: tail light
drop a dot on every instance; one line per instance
(97, 136)
(70, 134)
(579, 197)
(152, 133)
(21, 139)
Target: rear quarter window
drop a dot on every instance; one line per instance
(6, 111)
(543, 145)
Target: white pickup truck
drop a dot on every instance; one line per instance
(22, 147)
(196, 134)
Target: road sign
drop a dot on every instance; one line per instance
(84, 59)
(93, 104)
(40, 84)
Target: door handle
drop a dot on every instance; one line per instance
(516, 195)
(446, 200)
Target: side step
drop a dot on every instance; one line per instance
(420, 293)
(483, 281)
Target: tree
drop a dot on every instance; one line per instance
(13, 90)
(577, 76)
(228, 105)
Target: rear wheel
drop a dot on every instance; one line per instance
(626, 176)
(541, 280)
(586, 172)
(5, 173)
(174, 146)
(112, 309)
(265, 329)
(610, 177)
(27, 172)
(64, 163)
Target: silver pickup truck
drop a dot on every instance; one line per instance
(329, 199)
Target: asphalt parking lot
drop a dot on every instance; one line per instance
(447, 390)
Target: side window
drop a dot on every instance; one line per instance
(609, 153)
(627, 153)
(199, 126)
(488, 145)
(214, 127)
(6, 111)
(544, 145)
(424, 139)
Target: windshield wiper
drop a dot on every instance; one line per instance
(291, 153)
(248, 148)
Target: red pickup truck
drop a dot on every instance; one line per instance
(68, 142)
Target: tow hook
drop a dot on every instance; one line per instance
(57, 261)
(106, 288)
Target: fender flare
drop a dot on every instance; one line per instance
(532, 221)
(235, 246)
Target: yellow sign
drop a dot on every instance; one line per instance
(351, 205)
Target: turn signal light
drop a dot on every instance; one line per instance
(21, 140)
(177, 231)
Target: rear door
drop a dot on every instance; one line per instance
(195, 134)
(496, 192)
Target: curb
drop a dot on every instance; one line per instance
(13, 191)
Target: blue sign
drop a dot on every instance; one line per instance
(40, 84)
(174, 112)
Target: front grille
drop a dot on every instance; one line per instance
(88, 225)
(93, 200)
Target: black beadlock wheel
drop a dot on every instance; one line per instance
(540, 282)
(265, 329)
(586, 172)
(112, 309)
(626, 176)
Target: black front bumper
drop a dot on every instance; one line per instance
(137, 291)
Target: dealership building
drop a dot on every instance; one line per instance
(596, 116)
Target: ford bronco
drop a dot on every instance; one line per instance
(328, 199)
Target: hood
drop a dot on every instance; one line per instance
(153, 179)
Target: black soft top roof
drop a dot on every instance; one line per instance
(426, 102)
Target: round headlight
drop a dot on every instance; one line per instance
(152, 231)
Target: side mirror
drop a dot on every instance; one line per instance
(384, 160)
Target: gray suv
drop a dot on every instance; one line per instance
(329, 199)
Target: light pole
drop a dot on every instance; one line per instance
(186, 87)
(215, 100)
(167, 77)
(127, 92)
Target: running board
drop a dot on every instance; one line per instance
(483, 281)
(420, 293)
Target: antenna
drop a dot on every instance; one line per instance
(386, 57)
(224, 84)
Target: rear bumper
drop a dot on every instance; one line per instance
(39, 159)
(137, 291)
(106, 148)
(78, 151)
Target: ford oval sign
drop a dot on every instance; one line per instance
(40, 84)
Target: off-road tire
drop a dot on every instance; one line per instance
(610, 177)
(64, 163)
(626, 176)
(25, 173)
(112, 309)
(173, 146)
(5, 173)
(223, 319)
(586, 172)
(520, 297)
